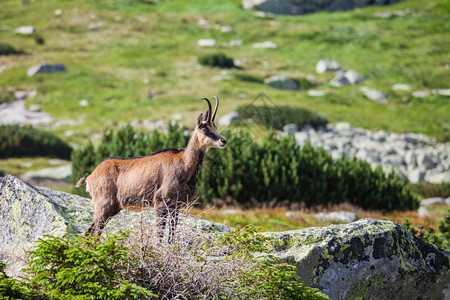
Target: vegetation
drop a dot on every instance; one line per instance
(277, 116)
(16, 141)
(439, 237)
(277, 169)
(130, 266)
(216, 60)
(6, 95)
(7, 49)
(431, 190)
(122, 65)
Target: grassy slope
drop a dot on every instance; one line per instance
(108, 66)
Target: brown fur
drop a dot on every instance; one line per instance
(163, 180)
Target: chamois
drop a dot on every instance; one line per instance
(164, 179)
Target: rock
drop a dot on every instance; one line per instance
(290, 129)
(421, 94)
(432, 201)
(46, 68)
(16, 113)
(282, 82)
(353, 77)
(293, 215)
(424, 212)
(367, 259)
(58, 12)
(228, 119)
(442, 92)
(438, 178)
(228, 212)
(235, 43)
(326, 65)
(402, 87)
(425, 161)
(265, 45)
(83, 103)
(339, 80)
(27, 213)
(341, 126)
(25, 30)
(55, 173)
(206, 43)
(374, 95)
(296, 7)
(337, 216)
(35, 107)
(316, 93)
(416, 176)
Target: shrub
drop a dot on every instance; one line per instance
(248, 77)
(16, 141)
(7, 49)
(216, 60)
(278, 116)
(430, 190)
(131, 265)
(274, 171)
(6, 95)
(439, 237)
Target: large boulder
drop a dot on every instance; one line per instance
(366, 259)
(299, 7)
(27, 213)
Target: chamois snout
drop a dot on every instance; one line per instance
(222, 143)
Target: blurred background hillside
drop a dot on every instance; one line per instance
(77, 68)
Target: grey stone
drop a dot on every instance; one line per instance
(301, 137)
(56, 173)
(442, 92)
(339, 80)
(374, 95)
(282, 82)
(425, 161)
(25, 30)
(227, 212)
(439, 178)
(416, 176)
(337, 216)
(265, 45)
(293, 215)
(353, 77)
(327, 65)
(316, 93)
(421, 94)
(46, 68)
(424, 212)
(206, 43)
(299, 7)
(290, 128)
(367, 259)
(432, 201)
(341, 126)
(228, 119)
(401, 87)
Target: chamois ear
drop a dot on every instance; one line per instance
(199, 119)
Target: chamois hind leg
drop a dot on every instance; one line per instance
(103, 212)
(173, 221)
(161, 219)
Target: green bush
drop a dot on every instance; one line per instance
(439, 237)
(16, 141)
(6, 95)
(7, 49)
(126, 266)
(430, 190)
(278, 116)
(248, 77)
(275, 171)
(216, 60)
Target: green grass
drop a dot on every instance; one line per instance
(117, 66)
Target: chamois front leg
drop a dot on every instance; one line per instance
(104, 211)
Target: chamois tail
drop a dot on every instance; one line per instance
(82, 180)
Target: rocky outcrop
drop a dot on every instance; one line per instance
(414, 156)
(299, 7)
(27, 213)
(367, 259)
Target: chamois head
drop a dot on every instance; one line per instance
(207, 129)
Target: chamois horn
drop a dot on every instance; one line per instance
(215, 109)
(208, 112)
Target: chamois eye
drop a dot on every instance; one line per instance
(204, 129)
